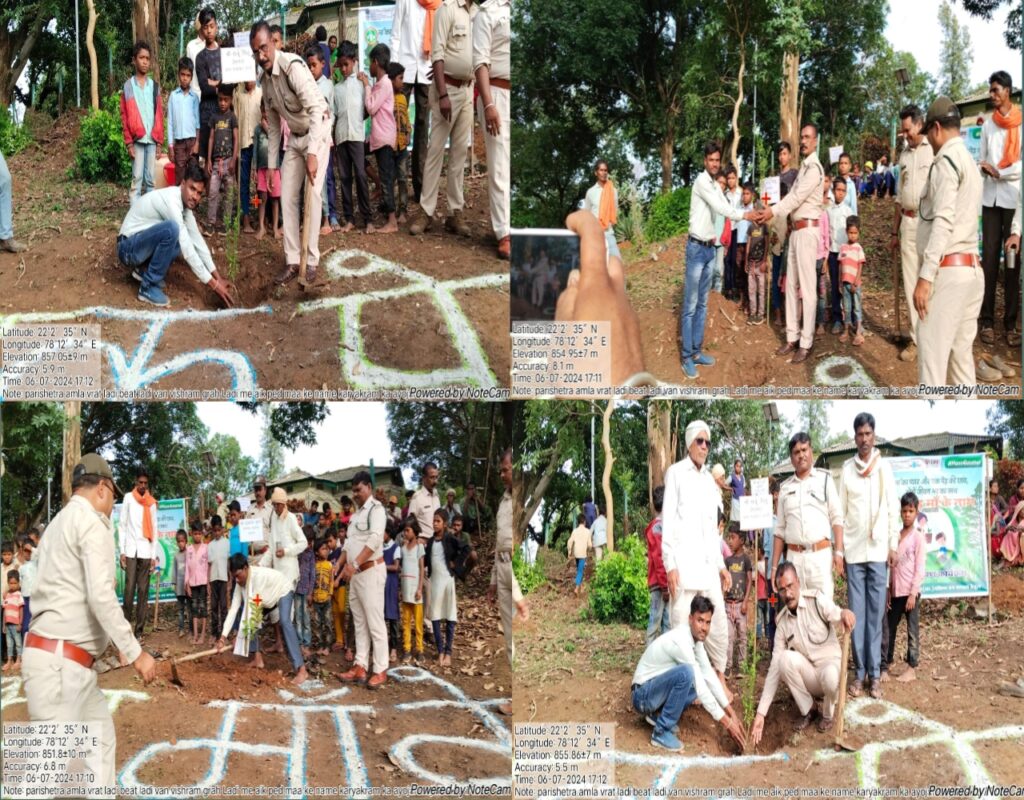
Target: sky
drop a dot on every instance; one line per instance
(913, 26)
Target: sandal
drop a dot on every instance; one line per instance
(1013, 339)
(288, 274)
(856, 689)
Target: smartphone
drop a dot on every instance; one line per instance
(541, 261)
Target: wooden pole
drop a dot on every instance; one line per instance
(72, 445)
(606, 477)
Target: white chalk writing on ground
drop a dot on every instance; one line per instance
(361, 373)
(300, 709)
(841, 371)
(10, 694)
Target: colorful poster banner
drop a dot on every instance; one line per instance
(951, 518)
(375, 28)
(170, 516)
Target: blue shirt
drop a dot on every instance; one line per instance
(236, 544)
(589, 514)
(182, 116)
(144, 101)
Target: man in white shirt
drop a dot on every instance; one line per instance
(690, 545)
(599, 534)
(286, 539)
(410, 48)
(871, 537)
(159, 227)
(425, 500)
(705, 202)
(1000, 164)
(674, 671)
(137, 532)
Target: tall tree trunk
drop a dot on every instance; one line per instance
(94, 69)
(533, 495)
(146, 26)
(667, 144)
(734, 149)
(659, 445)
(72, 445)
(789, 112)
(16, 49)
(606, 477)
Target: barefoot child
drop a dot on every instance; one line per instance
(221, 158)
(197, 575)
(392, 563)
(380, 105)
(184, 614)
(322, 624)
(314, 56)
(442, 553)
(412, 572)
(182, 120)
(349, 102)
(268, 181)
(13, 609)
(851, 268)
(737, 599)
(339, 597)
(756, 265)
(579, 543)
(218, 550)
(303, 592)
(396, 72)
(905, 586)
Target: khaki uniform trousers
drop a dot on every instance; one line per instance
(506, 604)
(441, 131)
(945, 339)
(801, 286)
(366, 605)
(499, 153)
(717, 643)
(293, 173)
(909, 264)
(814, 569)
(807, 682)
(60, 690)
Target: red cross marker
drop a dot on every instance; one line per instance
(765, 197)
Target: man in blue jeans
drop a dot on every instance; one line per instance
(705, 202)
(673, 672)
(158, 228)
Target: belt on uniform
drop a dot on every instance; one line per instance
(908, 212)
(502, 83)
(702, 242)
(505, 556)
(819, 545)
(959, 260)
(71, 651)
(369, 564)
(805, 223)
(456, 82)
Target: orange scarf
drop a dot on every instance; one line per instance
(147, 501)
(428, 27)
(1011, 124)
(607, 213)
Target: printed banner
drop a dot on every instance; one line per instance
(952, 520)
(375, 28)
(170, 516)
(237, 65)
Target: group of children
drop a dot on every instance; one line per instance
(17, 579)
(227, 127)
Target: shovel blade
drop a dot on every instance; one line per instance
(175, 678)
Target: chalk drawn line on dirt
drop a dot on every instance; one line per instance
(358, 370)
(10, 694)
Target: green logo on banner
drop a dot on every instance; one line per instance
(963, 462)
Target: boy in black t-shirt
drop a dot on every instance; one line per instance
(207, 75)
(222, 153)
(737, 599)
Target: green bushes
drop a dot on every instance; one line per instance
(618, 592)
(100, 153)
(668, 214)
(529, 577)
(13, 137)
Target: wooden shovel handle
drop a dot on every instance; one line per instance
(200, 654)
(843, 669)
(307, 221)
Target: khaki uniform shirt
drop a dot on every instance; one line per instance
(914, 165)
(290, 93)
(366, 529)
(809, 632)
(949, 208)
(452, 41)
(265, 514)
(808, 508)
(805, 199)
(74, 597)
(492, 38)
(422, 506)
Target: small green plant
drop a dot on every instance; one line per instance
(569, 647)
(100, 152)
(619, 591)
(13, 137)
(749, 679)
(529, 578)
(668, 215)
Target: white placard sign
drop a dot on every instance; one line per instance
(242, 39)
(237, 65)
(756, 509)
(834, 153)
(773, 188)
(250, 530)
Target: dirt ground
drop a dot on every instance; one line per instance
(324, 734)
(570, 668)
(746, 353)
(286, 340)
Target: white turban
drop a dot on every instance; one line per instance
(693, 429)
(718, 472)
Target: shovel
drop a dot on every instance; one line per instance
(175, 678)
(307, 220)
(842, 743)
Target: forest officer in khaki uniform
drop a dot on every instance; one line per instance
(803, 204)
(291, 94)
(75, 615)
(951, 283)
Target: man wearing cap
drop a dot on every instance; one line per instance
(364, 570)
(137, 532)
(394, 512)
(915, 162)
(425, 501)
(451, 508)
(260, 509)
(75, 615)
(803, 204)
(809, 516)
(950, 283)
(690, 544)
